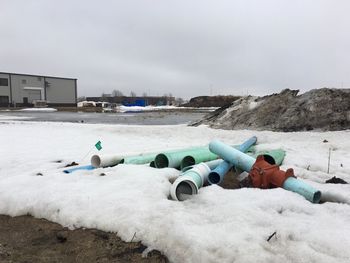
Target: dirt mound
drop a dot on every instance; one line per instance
(210, 101)
(322, 109)
(28, 239)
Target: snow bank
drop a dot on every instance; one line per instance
(39, 109)
(217, 225)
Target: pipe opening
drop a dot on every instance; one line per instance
(269, 159)
(187, 161)
(185, 189)
(214, 178)
(317, 197)
(161, 161)
(96, 161)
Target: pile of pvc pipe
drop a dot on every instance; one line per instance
(203, 165)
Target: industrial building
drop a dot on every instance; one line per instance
(24, 90)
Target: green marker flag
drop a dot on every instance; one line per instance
(98, 145)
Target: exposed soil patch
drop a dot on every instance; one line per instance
(322, 109)
(27, 239)
(336, 180)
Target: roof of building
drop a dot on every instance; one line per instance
(31, 75)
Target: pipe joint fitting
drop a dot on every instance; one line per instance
(264, 175)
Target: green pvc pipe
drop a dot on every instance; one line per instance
(197, 157)
(273, 156)
(174, 158)
(139, 159)
(202, 155)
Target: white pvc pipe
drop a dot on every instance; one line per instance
(189, 182)
(211, 164)
(106, 160)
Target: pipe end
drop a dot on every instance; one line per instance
(96, 161)
(182, 189)
(268, 158)
(317, 197)
(187, 161)
(214, 178)
(161, 161)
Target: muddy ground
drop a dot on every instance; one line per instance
(27, 239)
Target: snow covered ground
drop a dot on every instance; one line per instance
(217, 225)
(39, 109)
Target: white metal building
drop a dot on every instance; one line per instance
(24, 89)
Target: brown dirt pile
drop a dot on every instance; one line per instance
(27, 239)
(320, 109)
(210, 101)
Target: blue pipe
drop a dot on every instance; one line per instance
(246, 162)
(217, 175)
(298, 186)
(214, 163)
(85, 167)
(232, 155)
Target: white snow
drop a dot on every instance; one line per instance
(39, 109)
(253, 104)
(217, 225)
(9, 117)
(86, 103)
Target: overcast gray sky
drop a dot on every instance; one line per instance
(184, 47)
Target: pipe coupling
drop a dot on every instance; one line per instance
(264, 175)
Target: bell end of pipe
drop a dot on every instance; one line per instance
(96, 161)
(183, 188)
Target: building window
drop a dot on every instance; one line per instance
(4, 82)
(4, 99)
(24, 81)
